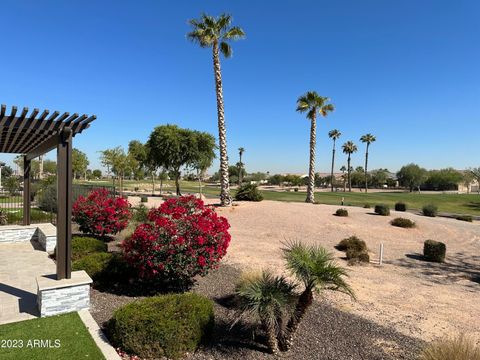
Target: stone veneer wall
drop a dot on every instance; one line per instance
(63, 300)
(17, 234)
(44, 234)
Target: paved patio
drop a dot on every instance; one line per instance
(20, 264)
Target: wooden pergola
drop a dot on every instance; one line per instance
(32, 136)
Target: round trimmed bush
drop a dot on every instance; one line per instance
(100, 213)
(434, 251)
(382, 209)
(341, 212)
(93, 264)
(466, 218)
(400, 206)
(143, 199)
(430, 210)
(367, 206)
(83, 245)
(105, 268)
(403, 223)
(248, 192)
(183, 239)
(356, 257)
(352, 242)
(162, 326)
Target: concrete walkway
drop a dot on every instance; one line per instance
(20, 264)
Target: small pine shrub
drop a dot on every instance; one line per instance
(140, 214)
(382, 209)
(460, 347)
(352, 242)
(162, 326)
(342, 212)
(248, 192)
(143, 199)
(434, 251)
(403, 223)
(430, 210)
(83, 246)
(466, 218)
(400, 206)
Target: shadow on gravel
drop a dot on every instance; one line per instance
(458, 267)
(326, 333)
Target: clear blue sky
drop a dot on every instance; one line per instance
(406, 71)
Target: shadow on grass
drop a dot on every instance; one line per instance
(457, 267)
(473, 205)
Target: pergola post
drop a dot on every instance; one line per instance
(26, 190)
(64, 204)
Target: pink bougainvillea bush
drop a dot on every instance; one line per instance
(100, 213)
(184, 238)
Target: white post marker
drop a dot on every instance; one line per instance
(380, 262)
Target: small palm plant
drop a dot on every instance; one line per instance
(269, 299)
(316, 268)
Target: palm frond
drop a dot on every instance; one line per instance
(235, 33)
(334, 134)
(226, 49)
(265, 297)
(315, 267)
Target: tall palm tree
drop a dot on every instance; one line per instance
(316, 268)
(343, 169)
(368, 139)
(241, 150)
(312, 103)
(334, 135)
(216, 32)
(269, 299)
(349, 148)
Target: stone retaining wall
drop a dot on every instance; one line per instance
(44, 234)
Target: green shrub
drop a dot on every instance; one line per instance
(434, 251)
(356, 257)
(460, 347)
(248, 192)
(352, 242)
(367, 206)
(104, 268)
(93, 264)
(167, 325)
(467, 218)
(342, 212)
(82, 246)
(430, 210)
(140, 214)
(143, 199)
(3, 218)
(382, 209)
(403, 223)
(400, 206)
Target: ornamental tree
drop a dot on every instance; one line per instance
(100, 213)
(183, 238)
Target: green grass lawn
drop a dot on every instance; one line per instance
(67, 331)
(452, 203)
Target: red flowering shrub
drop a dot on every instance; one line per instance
(184, 238)
(101, 214)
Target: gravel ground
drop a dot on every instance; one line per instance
(325, 333)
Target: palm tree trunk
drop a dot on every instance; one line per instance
(366, 167)
(333, 164)
(311, 170)
(271, 335)
(177, 182)
(349, 177)
(240, 171)
(199, 184)
(303, 303)
(225, 197)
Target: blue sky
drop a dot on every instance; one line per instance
(406, 71)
